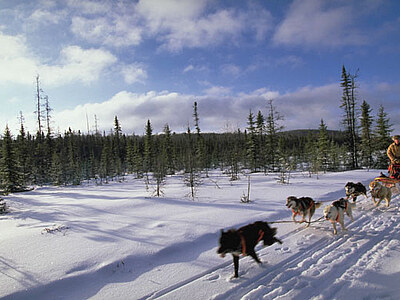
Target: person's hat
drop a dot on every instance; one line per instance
(396, 137)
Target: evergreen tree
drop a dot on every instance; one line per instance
(192, 178)
(382, 137)
(9, 169)
(251, 143)
(323, 147)
(117, 149)
(366, 147)
(23, 155)
(272, 129)
(57, 171)
(168, 151)
(148, 148)
(39, 160)
(311, 149)
(260, 129)
(106, 161)
(200, 148)
(350, 118)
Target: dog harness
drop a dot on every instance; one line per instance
(243, 240)
(341, 204)
(307, 208)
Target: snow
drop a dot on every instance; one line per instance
(116, 241)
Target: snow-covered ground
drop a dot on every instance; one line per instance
(117, 242)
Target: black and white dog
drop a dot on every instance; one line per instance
(302, 206)
(355, 189)
(335, 212)
(244, 240)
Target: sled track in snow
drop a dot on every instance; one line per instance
(182, 284)
(322, 259)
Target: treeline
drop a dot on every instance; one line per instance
(73, 157)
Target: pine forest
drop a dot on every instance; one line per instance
(71, 158)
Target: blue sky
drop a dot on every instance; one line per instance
(152, 59)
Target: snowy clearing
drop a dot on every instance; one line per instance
(116, 242)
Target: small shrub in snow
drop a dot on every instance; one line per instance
(3, 206)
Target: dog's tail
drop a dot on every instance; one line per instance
(318, 204)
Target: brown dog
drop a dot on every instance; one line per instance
(302, 206)
(378, 190)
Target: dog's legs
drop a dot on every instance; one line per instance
(334, 227)
(253, 254)
(349, 212)
(378, 202)
(387, 202)
(236, 265)
(294, 217)
(309, 219)
(342, 224)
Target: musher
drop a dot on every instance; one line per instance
(393, 153)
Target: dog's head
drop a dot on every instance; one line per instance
(349, 188)
(228, 242)
(291, 201)
(330, 212)
(375, 186)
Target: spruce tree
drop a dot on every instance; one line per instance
(350, 117)
(23, 155)
(251, 143)
(148, 148)
(106, 160)
(323, 147)
(272, 129)
(260, 129)
(169, 151)
(382, 137)
(366, 146)
(117, 149)
(200, 148)
(9, 169)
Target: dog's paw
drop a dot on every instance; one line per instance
(232, 278)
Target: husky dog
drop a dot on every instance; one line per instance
(378, 190)
(335, 212)
(302, 206)
(355, 189)
(244, 240)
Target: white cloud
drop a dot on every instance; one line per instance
(44, 17)
(316, 22)
(90, 7)
(217, 107)
(77, 64)
(180, 24)
(133, 110)
(113, 30)
(305, 107)
(188, 68)
(18, 65)
(218, 91)
(16, 62)
(231, 70)
(134, 73)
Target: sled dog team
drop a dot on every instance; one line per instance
(244, 240)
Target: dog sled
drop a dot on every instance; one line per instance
(393, 180)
